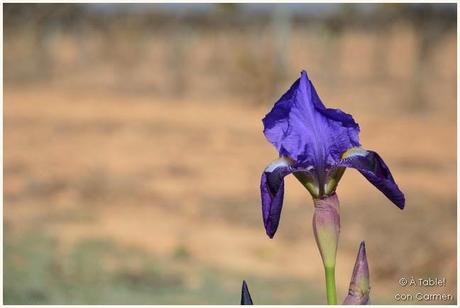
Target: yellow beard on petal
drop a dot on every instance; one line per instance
(351, 151)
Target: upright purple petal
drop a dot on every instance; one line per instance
(302, 128)
(374, 169)
(245, 296)
(272, 193)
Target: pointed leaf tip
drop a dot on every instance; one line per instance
(245, 296)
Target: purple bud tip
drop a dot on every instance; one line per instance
(358, 292)
(362, 258)
(245, 296)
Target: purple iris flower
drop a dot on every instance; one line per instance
(315, 144)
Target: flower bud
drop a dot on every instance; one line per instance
(358, 293)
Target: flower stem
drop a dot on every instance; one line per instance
(330, 286)
(326, 227)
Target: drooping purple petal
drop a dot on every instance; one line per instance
(272, 193)
(374, 169)
(302, 128)
(245, 296)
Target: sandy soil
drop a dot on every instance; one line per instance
(161, 174)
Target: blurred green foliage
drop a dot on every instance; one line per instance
(96, 271)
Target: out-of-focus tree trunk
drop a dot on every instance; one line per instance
(281, 32)
(177, 61)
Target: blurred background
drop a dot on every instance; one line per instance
(133, 149)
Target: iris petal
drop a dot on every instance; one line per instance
(272, 193)
(302, 128)
(374, 169)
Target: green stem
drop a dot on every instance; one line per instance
(330, 285)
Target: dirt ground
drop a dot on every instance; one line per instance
(181, 176)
